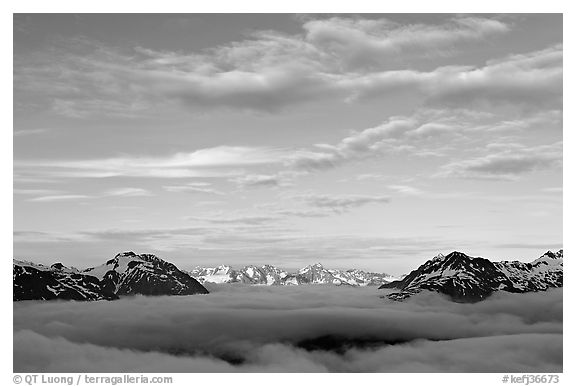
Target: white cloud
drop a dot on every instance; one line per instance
(507, 164)
(342, 58)
(237, 219)
(306, 328)
(127, 192)
(22, 133)
(340, 203)
(117, 192)
(191, 188)
(216, 161)
(259, 180)
(405, 189)
(60, 197)
(18, 191)
(532, 79)
(368, 42)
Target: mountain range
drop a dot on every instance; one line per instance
(126, 274)
(463, 278)
(271, 275)
(470, 279)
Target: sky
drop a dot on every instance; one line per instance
(369, 141)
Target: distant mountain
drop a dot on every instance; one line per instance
(270, 275)
(469, 279)
(38, 282)
(126, 274)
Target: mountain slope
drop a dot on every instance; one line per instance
(129, 274)
(126, 274)
(469, 279)
(38, 282)
(270, 275)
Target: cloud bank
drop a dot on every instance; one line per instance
(305, 329)
(338, 58)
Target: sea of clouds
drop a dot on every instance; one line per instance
(240, 328)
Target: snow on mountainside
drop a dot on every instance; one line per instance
(468, 279)
(126, 274)
(270, 275)
(38, 282)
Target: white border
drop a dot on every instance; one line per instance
(294, 6)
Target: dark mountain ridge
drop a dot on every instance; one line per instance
(469, 279)
(125, 274)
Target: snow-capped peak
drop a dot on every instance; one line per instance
(270, 275)
(550, 258)
(466, 278)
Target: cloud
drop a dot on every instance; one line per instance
(192, 188)
(533, 246)
(307, 213)
(259, 180)
(127, 192)
(22, 133)
(405, 189)
(340, 203)
(18, 191)
(117, 192)
(209, 162)
(61, 197)
(507, 165)
(237, 219)
(359, 145)
(426, 133)
(554, 189)
(285, 329)
(339, 58)
(532, 80)
(369, 42)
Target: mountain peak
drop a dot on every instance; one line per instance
(552, 255)
(58, 266)
(466, 278)
(126, 254)
(457, 255)
(439, 256)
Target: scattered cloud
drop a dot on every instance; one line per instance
(19, 191)
(340, 203)
(127, 192)
(60, 197)
(304, 212)
(507, 165)
(237, 219)
(371, 177)
(342, 58)
(117, 192)
(542, 246)
(405, 189)
(209, 162)
(22, 133)
(192, 189)
(555, 189)
(259, 180)
(364, 43)
(531, 80)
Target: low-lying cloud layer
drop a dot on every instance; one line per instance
(287, 329)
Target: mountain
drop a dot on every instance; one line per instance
(38, 282)
(126, 274)
(270, 275)
(470, 279)
(129, 274)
